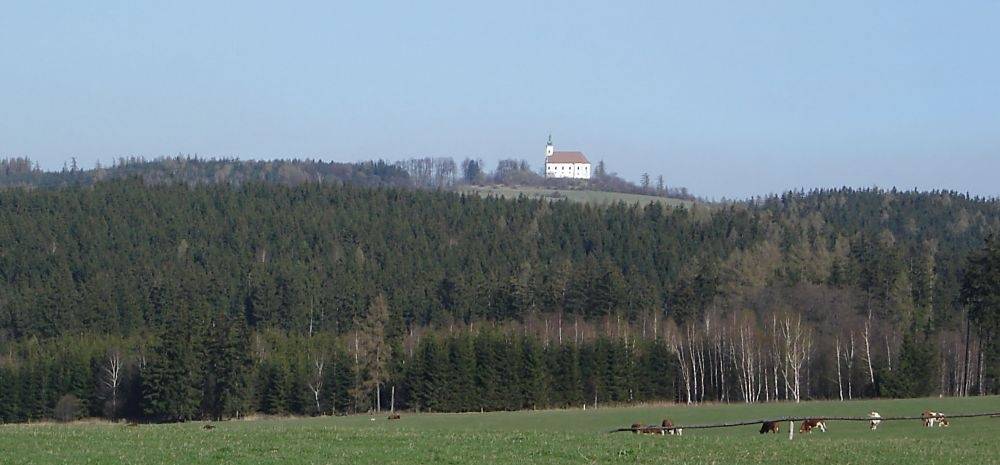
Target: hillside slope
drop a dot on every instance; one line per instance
(221, 298)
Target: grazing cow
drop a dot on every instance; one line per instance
(638, 428)
(931, 418)
(873, 424)
(393, 416)
(810, 424)
(671, 431)
(769, 427)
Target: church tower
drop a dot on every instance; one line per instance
(549, 148)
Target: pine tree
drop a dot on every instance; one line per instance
(981, 296)
(462, 371)
(375, 350)
(916, 366)
(273, 386)
(432, 382)
(533, 383)
(564, 364)
(170, 386)
(489, 384)
(8, 396)
(227, 362)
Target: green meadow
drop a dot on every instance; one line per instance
(529, 437)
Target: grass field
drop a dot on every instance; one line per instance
(555, 436)
(582, 196)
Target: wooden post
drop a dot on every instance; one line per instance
(392, 403)
(791, 429)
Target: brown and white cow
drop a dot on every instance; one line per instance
(668, 428)
(812, 423)
(638, 428)
(873, 424)
(769, 427)
(934, 418)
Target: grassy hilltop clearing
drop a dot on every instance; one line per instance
(551, 436)
(581, 196)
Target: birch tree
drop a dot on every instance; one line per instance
(316, 364)
(796, 351)
(111, 379)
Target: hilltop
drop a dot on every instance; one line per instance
(510, 178)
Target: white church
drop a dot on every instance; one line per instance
(572, 165)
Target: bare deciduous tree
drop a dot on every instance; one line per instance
(112, 378)
(315, 383)
(868, 351)
(797, 344)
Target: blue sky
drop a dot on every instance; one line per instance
(727, 98)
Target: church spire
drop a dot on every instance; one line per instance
(549, 148)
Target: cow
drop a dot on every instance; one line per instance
(668, 428)
(639, 428)
(931, 418)
(812, 423)
(393, 416)
(873, 424)
(769, 427)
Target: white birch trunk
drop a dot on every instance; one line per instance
(868, 354)
(840, 383)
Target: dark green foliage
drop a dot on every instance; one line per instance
(916, 372)
(567, 381)
(534, 383)
(227, 363)
(170, 379)
(232, 279)
(655, 372)
(981, 295)
(273, 388)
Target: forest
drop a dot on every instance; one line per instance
(170, 301)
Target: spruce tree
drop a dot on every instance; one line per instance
(170, 386)
(533, 383)
(227, 364)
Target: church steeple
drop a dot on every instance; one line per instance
(549, 148)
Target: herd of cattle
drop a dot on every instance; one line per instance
(929, 418)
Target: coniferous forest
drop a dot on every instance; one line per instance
(164, 301)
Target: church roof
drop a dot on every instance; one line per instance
(566, 157)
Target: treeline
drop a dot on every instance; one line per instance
(423, 173)
(192, 171)
(822, 294)
(279, 374)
